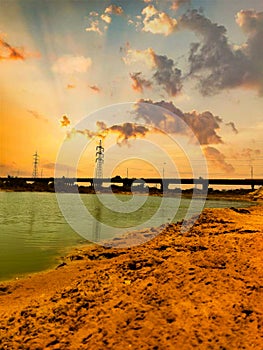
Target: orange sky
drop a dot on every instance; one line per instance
(74, 58)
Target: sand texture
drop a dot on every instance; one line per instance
(200, 290)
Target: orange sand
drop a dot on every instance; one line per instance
(200, 290)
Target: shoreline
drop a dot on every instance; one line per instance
(61, 256)
(201, 289)
(236, 194)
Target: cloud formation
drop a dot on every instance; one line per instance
(204, 125)
(157, 22)
(9, 52)
(71, 86)
(97, 22)
(94, 26)
(165, 73)
(139, 83)
(64, 121)
(176, 4)
(114, 9)
(69, 64)
(218, 159)
(95, 88)
(216, 63)
(133, 56)
(124, 132)
(233, 127)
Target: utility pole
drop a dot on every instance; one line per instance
(35, 165)
(99, 161)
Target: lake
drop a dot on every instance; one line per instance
(34, 233)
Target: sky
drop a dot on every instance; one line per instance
(66, 63)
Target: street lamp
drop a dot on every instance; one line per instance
(163, 169)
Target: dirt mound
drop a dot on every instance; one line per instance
(257, 195)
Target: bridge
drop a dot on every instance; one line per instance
(164, 183)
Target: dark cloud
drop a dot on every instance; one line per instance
(217, 159)
(217, 64)
(95, 88)
(138, 82)
(167, 75)
(233, 127)
(9, 52)
(204, 125)
(124, 132)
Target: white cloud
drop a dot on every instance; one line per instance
(68, 64)
(106, 18)
(158, 22)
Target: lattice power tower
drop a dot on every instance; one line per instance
(99, 161)
(35, 165)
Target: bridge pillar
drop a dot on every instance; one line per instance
(164, 186)
(205, 185)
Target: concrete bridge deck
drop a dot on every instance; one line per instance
(164, 183)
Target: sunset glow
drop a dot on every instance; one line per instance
(60, 61)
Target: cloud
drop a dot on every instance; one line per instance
(215, 157)
(133, 56)
(124, 132)
(218, 65)
(95, 88)
(71, 86)
(166, 74)
(176, 4)
(233, 127)
(158, 22)
(139, 83)
(106, 18)
(69, 64)
(8, 52)
(114, 9)
(247, 153)
(96, 22)
(204, 125)
(94, 26)
(64, 121)
(37, 115)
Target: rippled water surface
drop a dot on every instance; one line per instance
(34, 233)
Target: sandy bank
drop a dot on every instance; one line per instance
(200, 290)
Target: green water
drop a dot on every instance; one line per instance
(34, 234)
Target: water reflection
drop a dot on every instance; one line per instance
(96, 229)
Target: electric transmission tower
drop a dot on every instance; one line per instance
(35, 165)
(99, 161)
